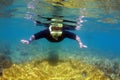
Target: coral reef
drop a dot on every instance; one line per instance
(5, 48)
(1, 70)
(110, 68)
(5, 59)
(5, 62)
(42, 70)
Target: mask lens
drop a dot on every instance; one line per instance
(56, 28)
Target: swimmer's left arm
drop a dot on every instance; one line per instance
(71, 35)
(80, 42)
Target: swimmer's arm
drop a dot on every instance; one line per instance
(80, 42)
(74, 37)
(71, 27)
(28, 41)
(36, 36)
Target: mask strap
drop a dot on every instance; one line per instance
(50, 28)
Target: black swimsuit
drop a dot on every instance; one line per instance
(46, 34)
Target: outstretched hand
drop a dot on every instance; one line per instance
(83, 46)
(25, 41)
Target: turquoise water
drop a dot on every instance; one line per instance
(100, 29)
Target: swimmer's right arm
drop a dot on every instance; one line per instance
(28, 41)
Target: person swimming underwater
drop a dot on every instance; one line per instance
(56, 32)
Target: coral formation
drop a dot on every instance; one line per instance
(5, 48)
(5, 61)
(111, 69)
(42, 70)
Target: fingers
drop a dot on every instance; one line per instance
(83, 46)
(24, 41)
(77, 27)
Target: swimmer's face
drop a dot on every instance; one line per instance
(56, 28)
(55, 31)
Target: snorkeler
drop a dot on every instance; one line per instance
(56, 32)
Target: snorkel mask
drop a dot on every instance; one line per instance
(56, 20)
(56, 29)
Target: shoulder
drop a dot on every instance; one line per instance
(69, 34)
(45, 31)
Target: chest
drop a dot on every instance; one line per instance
(51, 39)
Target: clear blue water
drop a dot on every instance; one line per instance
(100, 30)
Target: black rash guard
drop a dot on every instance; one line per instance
(46, 34)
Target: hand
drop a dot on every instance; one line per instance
(77, 27)
(83, 46)
(25, 41)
